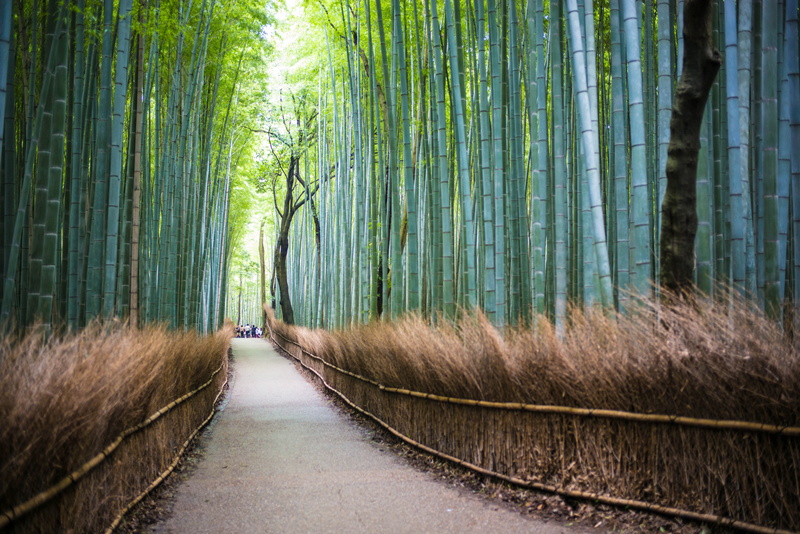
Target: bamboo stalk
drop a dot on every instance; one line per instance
(14, 253)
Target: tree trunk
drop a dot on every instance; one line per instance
(262, 273)
(281, 249)
(701, 61)
(282, 246)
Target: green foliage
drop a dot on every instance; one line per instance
(154, 169)
(492, 84)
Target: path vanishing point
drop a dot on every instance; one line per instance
(281, 459)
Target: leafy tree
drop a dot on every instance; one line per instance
(289, 147)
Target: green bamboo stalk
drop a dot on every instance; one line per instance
(769, 155)
(443, 173)
(665, 84)
(537, 104)
(151, 151)
(619, 159)
(408, 163)
(377, 276)
(76, 166)
(744, 39)
(641, 245)
(52, 226)
(100, 167)
(498, 171)
(738, 219)
(82, 166)
(488, 252)
(6, 58)
(704, 244)
(439, 238)
(591, 152)
(721, 192)
(8, 191)
(649, 35)
(559, 170)
(395, 252)
(785, 141)
(115, 176)
(756, 157)
(41, 193)
(420, 161)
(793, 68)
(10, 281)
(470, 291)
(519, 265)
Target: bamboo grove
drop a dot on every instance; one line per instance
(118, 144)
(512, 155)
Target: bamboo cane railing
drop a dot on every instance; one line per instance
(303, 356)
(15, 513)
(168, 471)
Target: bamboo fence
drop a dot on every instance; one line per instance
(99, 493)
(738, 474)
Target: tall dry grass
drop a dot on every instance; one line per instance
(704, 360)
(708, 361)
(62, 401)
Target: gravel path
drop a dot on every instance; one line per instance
(281, 459)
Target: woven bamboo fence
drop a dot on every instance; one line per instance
(96, 496)
(743, 475)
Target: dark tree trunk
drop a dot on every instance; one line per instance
(305, 193)
(282, 246)
(285, 301)
(262, 273)
(701, 61)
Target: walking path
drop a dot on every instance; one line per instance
(281, 459)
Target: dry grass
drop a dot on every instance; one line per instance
(63, 400)
(712, 362)
(718, 362)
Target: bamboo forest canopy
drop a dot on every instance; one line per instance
(512, 155)
(422, 156)
(125, 124)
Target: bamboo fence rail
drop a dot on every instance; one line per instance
(12, 514)
(359, 400)
(164, 474)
